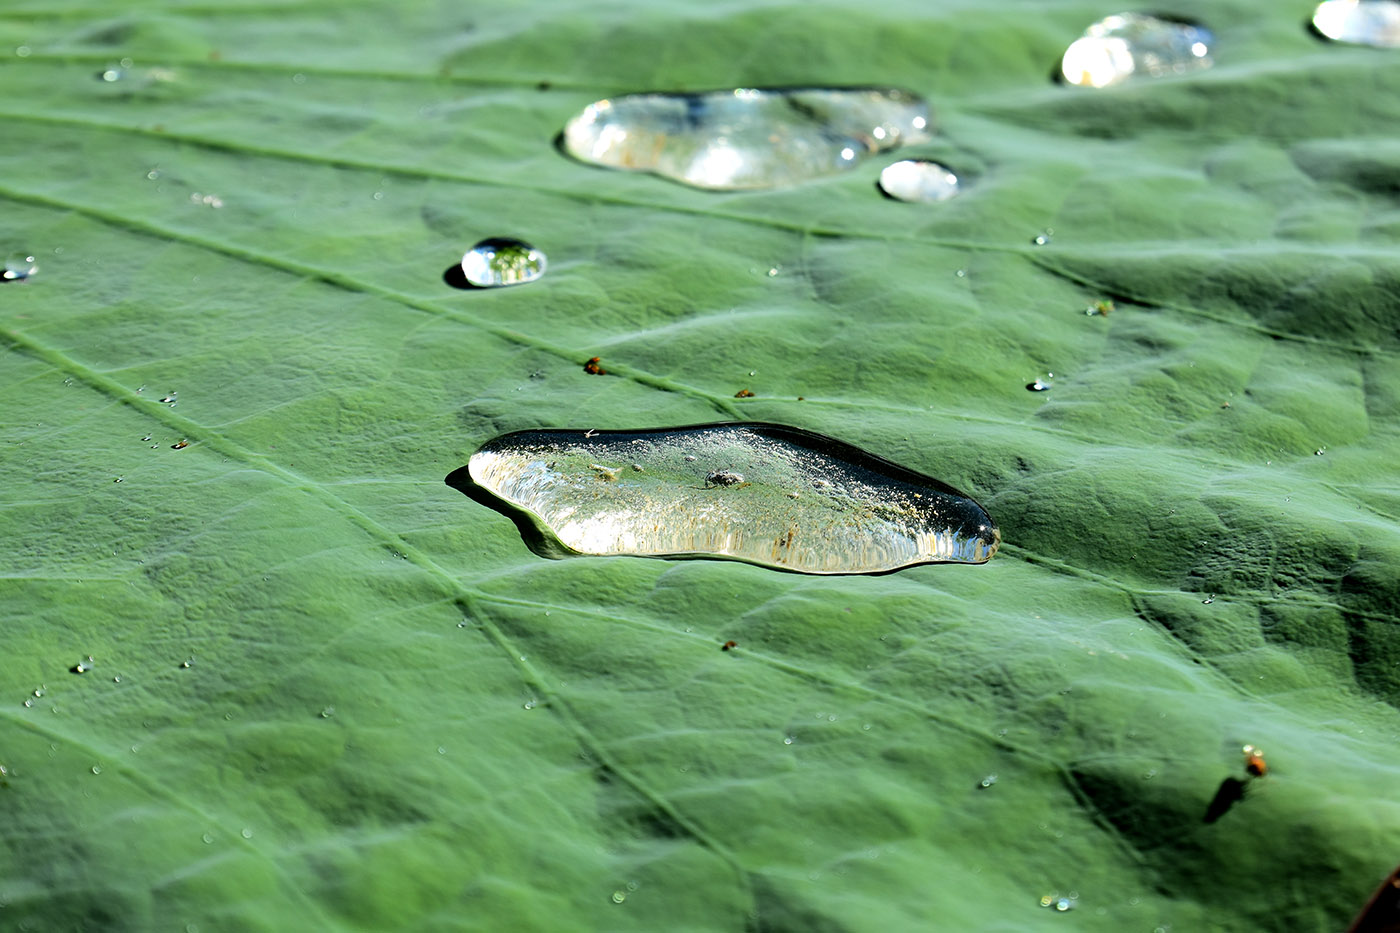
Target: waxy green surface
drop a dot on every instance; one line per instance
(397, 717)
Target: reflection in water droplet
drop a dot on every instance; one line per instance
(1125, 44)
(859, 513)
(1364, 22)
(918, 180)
(20, 266)
(498, 261)
(746, 137)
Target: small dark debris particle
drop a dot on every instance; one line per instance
(593, 369)
(743, 393)
(180, 445)
(544, 85)
(801, 399)
(727, 645)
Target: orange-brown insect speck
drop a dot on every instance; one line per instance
(1254, 762)
(727, 645)
(743, 393)
(180, 445)
(593, 369)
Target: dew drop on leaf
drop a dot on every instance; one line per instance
(499, 261)
(745, 138)
(1361, 22)
(1126, 44)
(20, 266)
(864, 514)
(918, 181)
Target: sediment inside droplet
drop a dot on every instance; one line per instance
(763, 493)
(745, 137)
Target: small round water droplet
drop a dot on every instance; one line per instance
(918, 181)
(1209, 599)
(1046, 900)
(111, 75)
(1040, 385)
(961, 273)
(787, 740)
(169, 399)
(208, 839)
(379, 195)
(1040, 239)
(1064, 903)
(773, 272)
(40, 690)
(29, 702)
(246, 834)
(96, 769)
(23, 51)
(989, 780)
(500, 261)
(188, 662)
(328, 712)
(619, 896)
(298, 78)
(20, 266)
(529, 704)
(117, 678)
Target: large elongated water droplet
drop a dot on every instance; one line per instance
(763, 493)
(918, 180)
(1126, 44)
(499, 261)
(747, 137)
(1364, 22)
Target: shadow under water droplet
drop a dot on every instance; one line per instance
(1229, 793)
(535, 538)
(455, 277)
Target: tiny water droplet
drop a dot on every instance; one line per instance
(20, 266)
(188, 662)
(96, 769)
(866, 727)
(632, 885)
(1319, 452)
(753, 372)
(1209, 599)
(1040, 239)
(111, 74)
(40, 690)
(787, 740)
(773, 272)
(918, 181)
(989, 780)
(153, 174)
(328, 712)
(1102, 308)
(208, 839)
(298, 78)
(1040, 385)
(529, 704)
(85, 665)
(29, 702)
(442, 750)
(1064, 903)
(1046, 900)
(499, 261)
(619, 896)
(1369, 22)
(23, 51)
(147, 437)
(379, 195)
(117, 678)
(169, 399)
(961, 273)
(246, 834)
(1126, 44)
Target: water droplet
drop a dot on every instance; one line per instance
(1209, 599)
(442, 750)
(1367, 22)
(746, 137)
(153, 174)
(298, 78)
(117, 678)
(1040, 239)
(96, 769)
(499, 261)
(1320, 451)
(787, 740)
(85, 665)
(918, 181)
(378, 196)
(246, 833)
(328, 712)
(529, 704)
(20, 266)
(961, 273)
(989, 780)
(208, 839)
(188, 662)
(111, 74)
(40, 690)
(169, 399)
(619, 896)
(773, 272)
(1040, 385)
(1064, 903)
(23, 51)
(1120, 46)
(29, 702)
(208, 200)
(868, 515)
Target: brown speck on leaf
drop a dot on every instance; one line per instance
(801, 399)
(728, 645)
(743, 393)
(593, 369)
(180, 444)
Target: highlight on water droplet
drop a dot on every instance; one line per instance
(726, 490)
(1041, 384)
(918, 181)
(745, 138)
(1126, 44)
(501, 261)
(19, 266)
(1360, 22)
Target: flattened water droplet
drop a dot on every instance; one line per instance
(20, 266)
(919, 181)
(500, 261)
(863, 514)
(1120, 46)
(1363, 22)
(745, 138)
(989, 780)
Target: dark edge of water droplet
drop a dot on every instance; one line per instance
(541, 541)
(455, 277)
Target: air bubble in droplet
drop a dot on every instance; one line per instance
(1360, 22)
(19, 266)
(499, 261)
(918, 181)
(745, 138)
(1126, 44)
